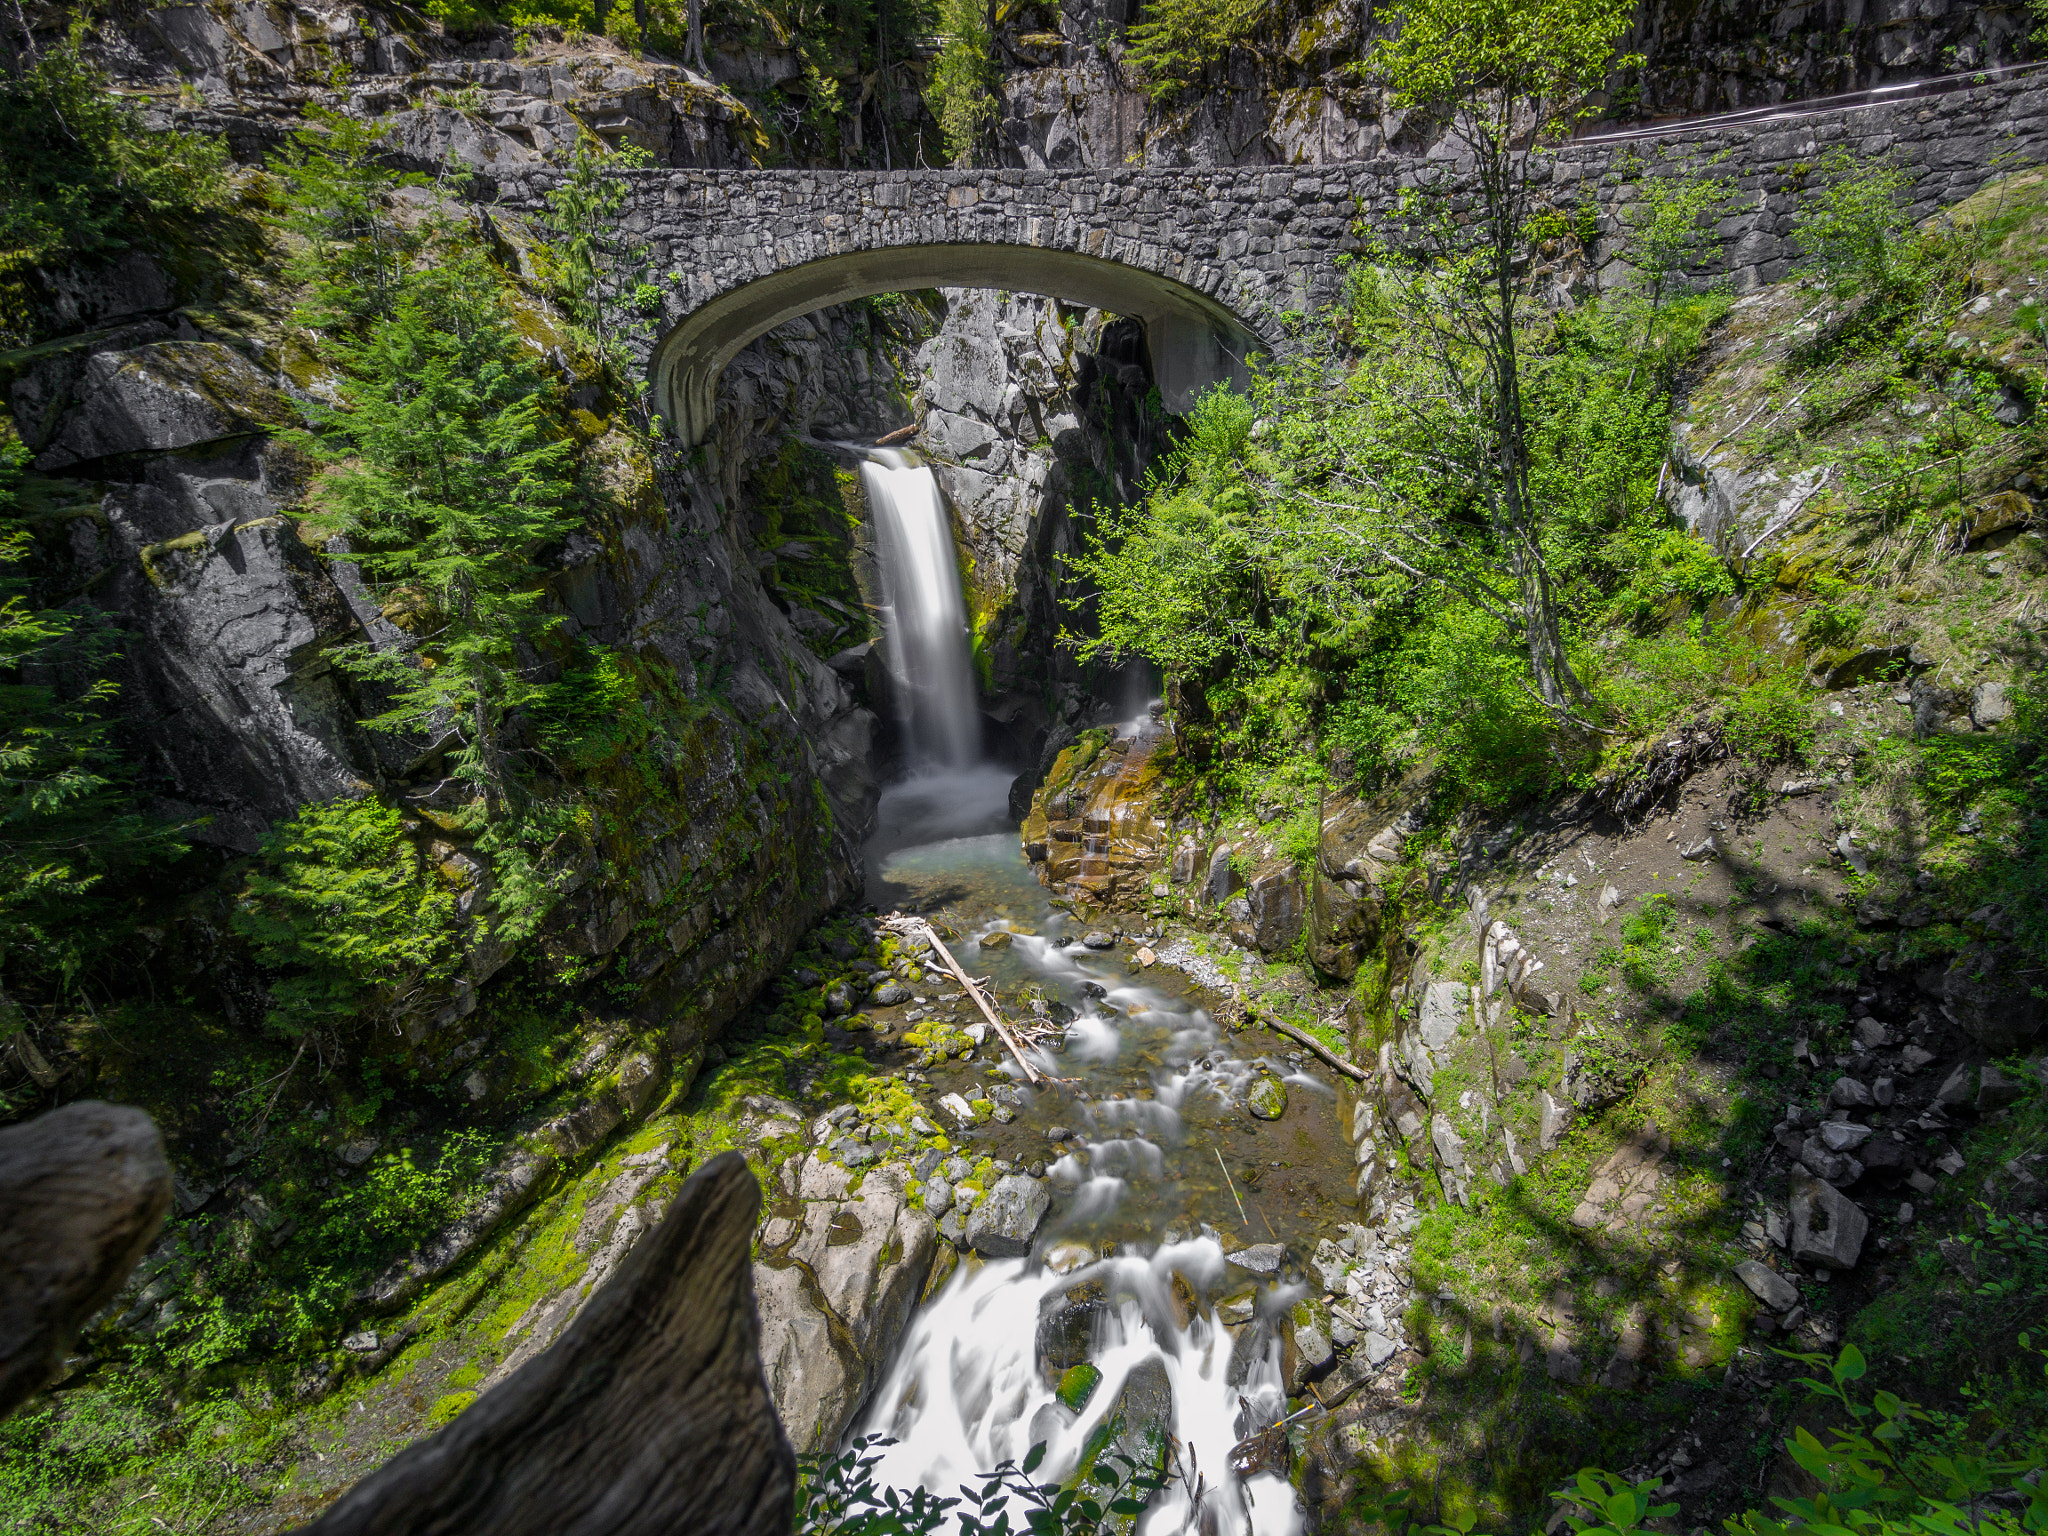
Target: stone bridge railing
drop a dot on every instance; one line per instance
(1214, 260)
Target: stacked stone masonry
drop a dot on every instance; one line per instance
(1261, 242)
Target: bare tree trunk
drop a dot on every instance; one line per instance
(695, 17)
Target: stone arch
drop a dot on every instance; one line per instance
(1195, 341)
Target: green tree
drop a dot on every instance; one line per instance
(963, 77)
(441, 482)
(342, 905)
(1510, 77)
(353, 249)
(81, 172)
(1179, 41)
(69, 825)
(1857, 233)
(1671, 231)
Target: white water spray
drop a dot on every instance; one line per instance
(965, 1392)
(923, 614)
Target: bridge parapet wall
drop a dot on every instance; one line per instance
(1241, 247)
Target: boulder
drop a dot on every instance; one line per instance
(1827, 1226)
(162, 396)
(1071, 1327)
(1002, 1226)
(1995, 1090)
(1267, 1099)
(1767, 1285)
(1343, 923)
(1275, 908)
(835, 1300)
(1259, 1258)
(1989, 992)
(1140, 1423)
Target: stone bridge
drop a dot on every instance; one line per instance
(1214, 262)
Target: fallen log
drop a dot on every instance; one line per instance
(1304, 1038)
(83, 1193)
(649, 1416)
(916, 927)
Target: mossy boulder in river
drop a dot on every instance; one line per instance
(1267, 1099)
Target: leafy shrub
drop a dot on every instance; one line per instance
(1179, 41)
(342, 905)
(1770, 720)
(82, 174)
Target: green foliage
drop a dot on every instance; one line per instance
(838, 1496)
(963, 77)
(69, 827)
(82, 174)
(1857, 233)
(345, 907)
(1770, 720)
(399, 1199)
(441, 481)
(353, 249)
(1177, 42)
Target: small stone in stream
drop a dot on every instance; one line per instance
(1099, 940)
(838, 1001)
(1004, 1114)
(1036, 1170)
(956, 1168)
(1094, 989)
(1077, 1385)
(889, 994)
(1003, 1225)
(1260, 1258)
(958, 1108)
(999, 939)
(938, 1198)
(1057, 1133)
(1767, 1285)
(1267, 1099)
(1146, 959)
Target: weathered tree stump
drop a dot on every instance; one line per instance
(83, 1192)
(648, 1417)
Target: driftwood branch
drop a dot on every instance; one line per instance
(83, 1192)
(1303, 1037)
(917, 927)
(648, 1417)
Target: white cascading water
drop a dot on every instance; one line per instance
(923, 614)
(965, 1392)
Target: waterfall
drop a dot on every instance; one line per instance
(923, 613)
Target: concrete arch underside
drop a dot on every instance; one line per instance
(1194, 340)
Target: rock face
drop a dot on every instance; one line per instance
(1990, 992)
(836, 1284)
(1071, 102)
(1094, 829)
(257, 68)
